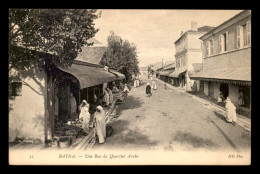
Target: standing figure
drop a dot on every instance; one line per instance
(165, 86)
(137, 80)
(115, 89)
(73, 106)
(220, 98)
(84, 115)
(154, 85)
(135, 83)
(100, 124)
(106, 97)
(148, 90)
(241, 100)
(110, 95)
(231, 111)
(126, 88)
(121, 86)
(140, 79)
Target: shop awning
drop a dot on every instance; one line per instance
(176, 74)
(166, 72)
(242, 74)
(119, 76)
(89, 75)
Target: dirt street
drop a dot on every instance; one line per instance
(171, 121)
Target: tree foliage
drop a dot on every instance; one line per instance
(150, 69)
(60, 32)
(121, 55)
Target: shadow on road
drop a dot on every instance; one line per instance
(220, 116)
(125, 138)
(189, 140)
(226, 137)
(129, 102)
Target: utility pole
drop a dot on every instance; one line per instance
(162, 62)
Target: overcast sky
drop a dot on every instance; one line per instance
(155, 31)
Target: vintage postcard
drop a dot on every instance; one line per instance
(129, 87)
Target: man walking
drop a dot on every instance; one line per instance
(148, 90)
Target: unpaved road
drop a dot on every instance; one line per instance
(171, 121)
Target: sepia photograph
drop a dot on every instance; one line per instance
(129, 86)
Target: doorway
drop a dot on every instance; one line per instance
(224, 89)
(63, 99)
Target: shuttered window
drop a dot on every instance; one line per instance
(248, 25)
(238, 37)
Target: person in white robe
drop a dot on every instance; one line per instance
(140, 79)
(154, 85)
(73, 106)
(100, 124)
(115, 89)
(110, 95)
(220, 98)
(126, 88)
(231, 111)
(135, 83)
(84, 115)
(106, 97)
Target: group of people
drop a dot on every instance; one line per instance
(137, 80)
(98, 120)
(108, 97)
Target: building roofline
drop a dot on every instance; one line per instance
(189, 32)
(225, 22)
(79, 62)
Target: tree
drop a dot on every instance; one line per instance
(60, 32)
(36, 33)
(150, 69)
(41, 38)
(121, 55)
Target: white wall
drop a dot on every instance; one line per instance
(194, 42)
(27, 119)
(193, 57)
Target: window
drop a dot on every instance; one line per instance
(223, 41)
(16, 88)
(244, 35)
(248, 26)
(210, 47)
(238, 37)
